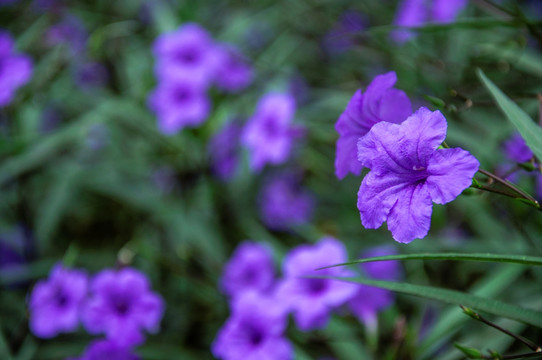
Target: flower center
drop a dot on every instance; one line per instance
(182, 94)
(255, 335)
(121, 306)
(316, 286)
(187, 56)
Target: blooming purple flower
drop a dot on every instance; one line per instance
(408, 174)
(189, 51)
(224, 151)
(284, 203)
(412, 13)
(516, 149)
(312, 299)
(55, 303)
(233, 73)
(107, 349)
(249, 269)
(269, 133)
(381, 102)
(122, 306)
(369, 300)
(254, 331)
(15, 70)
(178, 103)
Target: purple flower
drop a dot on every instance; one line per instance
(15, 70)
(516, 149)
(107, 349)
(189, 51)
(369, 300)
(254, 331)
(122, 306)
(70, 32)
(413, 13)
(179, 103)
(311, 299)
(381, 102)
(55, 303)
(233, 73)
(249, 269)
(268, 135)
(224, 151)
(341, 37)
(90, 75)
(284, 203)
(408, 174)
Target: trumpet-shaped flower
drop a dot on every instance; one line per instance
(408, 174)
(15, 69)
(516, 149)
(381, 102)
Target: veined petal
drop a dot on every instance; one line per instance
(410, 217)
(373, 96)
(395, 106)
(450, 172)
(346, 160)
(376, 196)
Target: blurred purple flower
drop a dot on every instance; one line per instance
(408, 174)
(381, 102)
(516, 149)
(15, 69)
(233, 73)
(179, 103)
(90, 75)
(53, 6)
(342, 36)
(107, 349)
(250, 268)
(311, 299)
(224, 150)
(122, 305)
(413, 13)
(70, 32)
(284, 203)
(369, 300)
(7, 2)
(269, 134)
(189, 52)
(254, 331)
(55, 303)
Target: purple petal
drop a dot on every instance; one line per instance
(410, 218)
(451, 172)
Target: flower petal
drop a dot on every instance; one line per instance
(410, 217)
(450, 172)
(376, 196)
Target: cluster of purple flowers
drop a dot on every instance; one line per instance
(188, 62)
(260, 304)
(408, 172)
(15, 69)
(412, 13)
(119, 304)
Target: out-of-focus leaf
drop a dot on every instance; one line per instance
(28, 349)
(4, 349)
(531, 133)
(344, 344)
(490, 306)
(515, 259)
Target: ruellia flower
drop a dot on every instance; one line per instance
(223, 149)
(269, 133)
(188, 51)
(55, 303)
(122, 305)
(369, 300)
(179, 102)
(234, 73)
(312, 299)
(516, 149)
(249, 269)
(284, 203)
(408, 174)
(380, 102)
(254, 331)
(107, 349)
(15, 69)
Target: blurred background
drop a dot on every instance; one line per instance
(89, 178)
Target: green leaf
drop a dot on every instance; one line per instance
(531, 133)
(469, 352)
(489, 306)
(515, 259)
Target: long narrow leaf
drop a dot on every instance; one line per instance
(489, 306)
(531, 133)
(515, 259)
